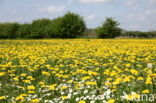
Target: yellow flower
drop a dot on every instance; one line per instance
(145, 91)
(16, 79)
(45, 73)
(82, 101)
(30, 78)
(85, 78)
(128, 65)
(23, 75)
(2, 97)
(111, 100)
(35, 100)
(92, 73)
(52, 87)
(64, 97)
(127, 79)
(134, 72)
(2, 73)
(31, 92)
(41, 83)
(91, 83)
(21, 98)
(148, 80)
(140, 78)
(64, 87)
(31, 87)
(26, 81)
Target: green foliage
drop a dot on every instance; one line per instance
(69, 26)
(39, 28)
(109, 29)
(24, 31)
(73, 25)
(57, 30)
(9, 30)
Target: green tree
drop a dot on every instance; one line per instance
(73, 25)
(109, 29)
(39, 28)
(2, 31)
(24, 31)
(9, 30)
(68, 26)
(56, 28)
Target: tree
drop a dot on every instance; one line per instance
(39, 28)
(109, 29)
(56, 28)
(9, 30)
(68, 26)
(24, 31)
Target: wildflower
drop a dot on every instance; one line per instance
(23, 75)
(2, 97)
(145, 91)
(26, 81)
(52, 87)
(45, 73)
(140, 78)
(16, 79)
(35, 100)
(134, 72)
(82, 101)
(85, 78)
(2, 73)
(148, 80)
(31, 92)
(91, 83)
(31, 87)
(64, 87)
(64, 97)
(111, 100)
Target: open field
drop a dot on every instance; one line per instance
(77, 71)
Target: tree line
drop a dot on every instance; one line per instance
(70, 25)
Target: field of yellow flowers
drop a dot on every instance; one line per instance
(77, 70)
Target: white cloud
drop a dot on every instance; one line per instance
(53, 9)
(90, 17)
(95, 1)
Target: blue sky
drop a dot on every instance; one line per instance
(132, 14)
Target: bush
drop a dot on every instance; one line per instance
(109, 29)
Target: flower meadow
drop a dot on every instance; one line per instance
(77, 71)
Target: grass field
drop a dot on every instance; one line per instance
(77, 71)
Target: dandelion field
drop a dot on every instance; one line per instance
(77, 70)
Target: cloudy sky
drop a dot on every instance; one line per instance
(132, 14)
